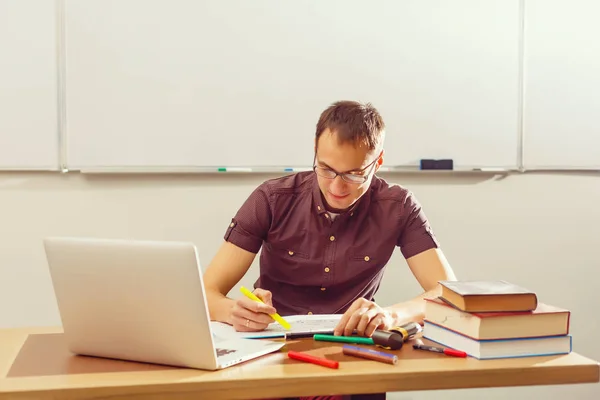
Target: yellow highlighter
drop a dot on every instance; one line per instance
(275, 316)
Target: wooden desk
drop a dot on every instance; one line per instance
(34, 363)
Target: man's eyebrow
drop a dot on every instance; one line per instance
(343, 172)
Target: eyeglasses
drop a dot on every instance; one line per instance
(351, 177)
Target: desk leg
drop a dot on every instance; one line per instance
(370, 396)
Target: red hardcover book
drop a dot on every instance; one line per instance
(545, 320)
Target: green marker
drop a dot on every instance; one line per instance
(234, 169)
(343, 339)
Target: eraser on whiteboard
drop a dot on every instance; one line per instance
(437, 164)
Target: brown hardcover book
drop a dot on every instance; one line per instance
(488, 296)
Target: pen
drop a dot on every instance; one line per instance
(296, 355)
(275, 316)
(370, 354)
(343, 339)
(449, 352)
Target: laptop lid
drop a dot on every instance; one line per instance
(133, 300)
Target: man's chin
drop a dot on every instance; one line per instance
(338, 204)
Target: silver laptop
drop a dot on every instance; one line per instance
(140, 301)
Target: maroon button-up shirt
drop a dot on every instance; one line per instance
(313, 264)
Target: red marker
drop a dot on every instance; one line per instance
(312, 359)
(449, 352)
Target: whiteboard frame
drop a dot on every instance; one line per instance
(269, 170)
(508, 137)
(556, 167)
(60, 103)
(61, 58)
(521, 89)
(62, 128)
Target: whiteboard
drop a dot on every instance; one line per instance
(562, 84)
(187, 83)
(28, 85)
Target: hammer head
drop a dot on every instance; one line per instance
(387, 340)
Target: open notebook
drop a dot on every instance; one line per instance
(301, 325)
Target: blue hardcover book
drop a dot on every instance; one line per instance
(498, 348)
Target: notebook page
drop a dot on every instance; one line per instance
(300, 324)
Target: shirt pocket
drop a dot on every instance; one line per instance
(364, 264)
(370, 256)
(287, 263)
(291, 251)
(291, 246)
(356, 269)
(286, 251)
(359, 260)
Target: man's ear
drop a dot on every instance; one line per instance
(379, 161)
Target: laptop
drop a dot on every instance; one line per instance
(140, 301)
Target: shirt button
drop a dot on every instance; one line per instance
(326, 215)
(319, 208)
(326, 269)
(291, 253)
(367, 258)
(323, 289)
(232, 225)
(332, 238)
(310, 313)
(352, 213)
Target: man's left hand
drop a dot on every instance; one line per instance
(365, 316)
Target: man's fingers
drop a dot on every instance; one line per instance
(351, 324)
(247, 325)
(339, 329)
(249, 315)
(354, 321)
(364, 317)
(376, 322)
(265, 296)
(341, 326)
(364, 320)
(240, 311)
(255, 306)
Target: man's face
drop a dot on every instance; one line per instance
(344, 158)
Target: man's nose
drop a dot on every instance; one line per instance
(338, 182)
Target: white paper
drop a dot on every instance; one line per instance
(300, 324)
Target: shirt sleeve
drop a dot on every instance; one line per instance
(416, 234)
(250, 225)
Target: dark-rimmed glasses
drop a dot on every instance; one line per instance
(356, 177)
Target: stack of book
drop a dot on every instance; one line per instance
(496, 319)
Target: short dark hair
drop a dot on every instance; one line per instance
(353, 122)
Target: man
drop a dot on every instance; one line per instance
(326, 236)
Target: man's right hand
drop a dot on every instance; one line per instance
(251, 316)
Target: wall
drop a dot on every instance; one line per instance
(539, 230)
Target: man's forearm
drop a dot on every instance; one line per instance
(219, 306)
(413, 310)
